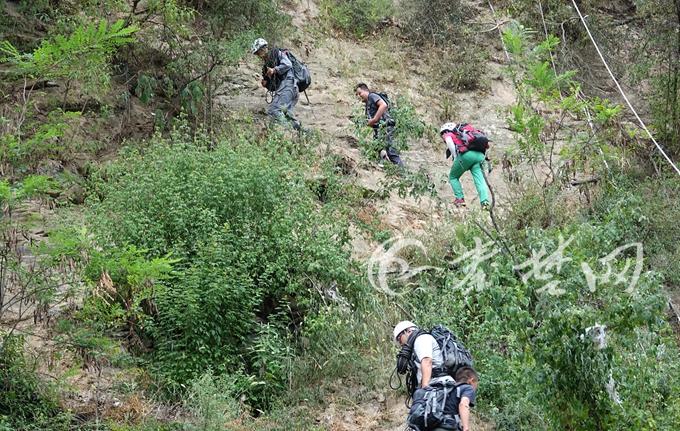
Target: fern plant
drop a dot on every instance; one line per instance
(81, 57)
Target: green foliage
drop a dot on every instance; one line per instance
(546, 100)
(408, 126)
(5, 191)
(263, 17)
(653, 63)
(35, 185)
(212, 402)
(415, 184)
(357, 17)
(46, 139)
(530, 341)
(26, 403)
(252, 245)
(457, 51)
(128, 283)
(437, 22)
(145, 88)
(82, 56)
(460, 69)
(646, 212)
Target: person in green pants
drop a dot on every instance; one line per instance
(457, 138)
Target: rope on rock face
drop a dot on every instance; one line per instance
(618, 86)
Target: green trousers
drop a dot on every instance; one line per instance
(469, 161)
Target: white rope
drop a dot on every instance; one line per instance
(642, 124)
(579, 94)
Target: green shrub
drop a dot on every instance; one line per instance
(212, 402)
(253, 244)
(461, 68)
(35, 185)
(26, 403)
(82, 56)
(539, 369)
(42, 139)
(408, 126)
(437, 22)
(357, 17)
(646, 211)
(5, 191)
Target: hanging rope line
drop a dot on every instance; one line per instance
(642, 124)
(579, 93)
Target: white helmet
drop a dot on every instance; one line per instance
(259, 43)
(401, 327)
(447, 127)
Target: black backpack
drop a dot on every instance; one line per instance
(385, 99)
(454, 353)
(302, 76)
(300, 71)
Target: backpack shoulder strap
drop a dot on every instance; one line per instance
(412, 341)
(274, 57)
(381, 97)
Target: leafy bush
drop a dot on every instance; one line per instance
(408, 126)
(357, 17)
(82, 56)
(41, 139)
(531, 342)
(212, 402)
(253, 247)
(437, 22)
(457, 51)
(5, 191)
(26, 403)
(646, 211)
(461, 68)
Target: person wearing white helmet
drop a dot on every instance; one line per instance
(464, 159)
(278, 77)
(426, 352)
(421, 347)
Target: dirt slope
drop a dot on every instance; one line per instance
(337, 64)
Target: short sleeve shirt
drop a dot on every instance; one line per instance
(372, 107)
(461, 391)
(467, 391)
(426, 346)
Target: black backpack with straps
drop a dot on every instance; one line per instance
(300, 70)
(454, 354)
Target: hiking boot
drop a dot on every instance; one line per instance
(486, 206)
(459, 203)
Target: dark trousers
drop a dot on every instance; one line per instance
(385, 133)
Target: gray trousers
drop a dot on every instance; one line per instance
(282, 108)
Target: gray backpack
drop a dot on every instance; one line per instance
(454, 353)
(302, 76)
(429, 409)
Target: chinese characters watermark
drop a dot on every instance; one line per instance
(388, 265)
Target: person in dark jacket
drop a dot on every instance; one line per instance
(278, 77)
